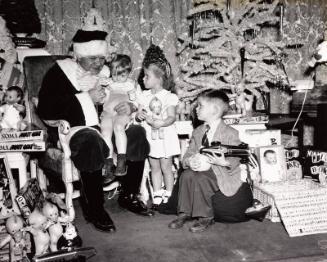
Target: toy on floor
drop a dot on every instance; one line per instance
(37, 227)
(54, 223)
(70, 238)
(18, 239)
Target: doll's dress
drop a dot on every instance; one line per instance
(11, 116)
(169, 146)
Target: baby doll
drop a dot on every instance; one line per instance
(54, 223)
(156, 110)
(12, 110)
(38, 223)
(18, 240)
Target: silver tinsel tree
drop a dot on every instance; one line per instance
(233, 49)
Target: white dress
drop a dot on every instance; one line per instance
(11, 116)
(169, 145)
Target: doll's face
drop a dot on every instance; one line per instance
(51, 212)
(70, 232)
(18, 236)
(155, 106)
(37, 220)
(271, 158)
(12, 97)
(14, 224)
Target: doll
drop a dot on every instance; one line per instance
(69, 238)
(12, 110)
(19, 244)
(156, 110)
(50, 211)
(37, 227)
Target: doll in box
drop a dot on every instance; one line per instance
(19, 242)
(12, 111)
(37, 227)
(156, 110)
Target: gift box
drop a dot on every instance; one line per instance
(261, 137)
(300, 204)
(266, 198)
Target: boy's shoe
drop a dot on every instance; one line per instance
(121, 169)
(179, 221)
(133, 204)
(202, 224)
(108, 172)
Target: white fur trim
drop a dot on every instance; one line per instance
(90, 114)
(91, 48)
(69, 67)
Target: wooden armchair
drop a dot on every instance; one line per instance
(56, 159)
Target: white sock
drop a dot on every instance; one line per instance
(166, 196)
(157, 197)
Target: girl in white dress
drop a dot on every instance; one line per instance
(157, 106)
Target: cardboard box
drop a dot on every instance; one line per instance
(261, 137)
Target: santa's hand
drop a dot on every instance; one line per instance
(218, 160)
(104, 81)
(124, 108)
(19, 107)
(141, 115)
(97, 94)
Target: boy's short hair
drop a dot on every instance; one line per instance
(213, 94)
(123, 62)
(17, 89)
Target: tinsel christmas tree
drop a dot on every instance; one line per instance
(233, 49)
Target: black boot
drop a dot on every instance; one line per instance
(93, 202)
(108, 170)
(130, 185)
(133, 204)
(121, 168)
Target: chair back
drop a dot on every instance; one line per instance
(35, 68)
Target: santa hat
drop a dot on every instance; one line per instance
(90, 43)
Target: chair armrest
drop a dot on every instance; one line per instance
(66, 132)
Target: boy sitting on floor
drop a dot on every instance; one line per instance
(210, 175)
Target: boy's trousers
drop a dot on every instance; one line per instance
(195, 192)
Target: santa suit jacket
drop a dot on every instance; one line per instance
(60, 97)
(228, 179)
